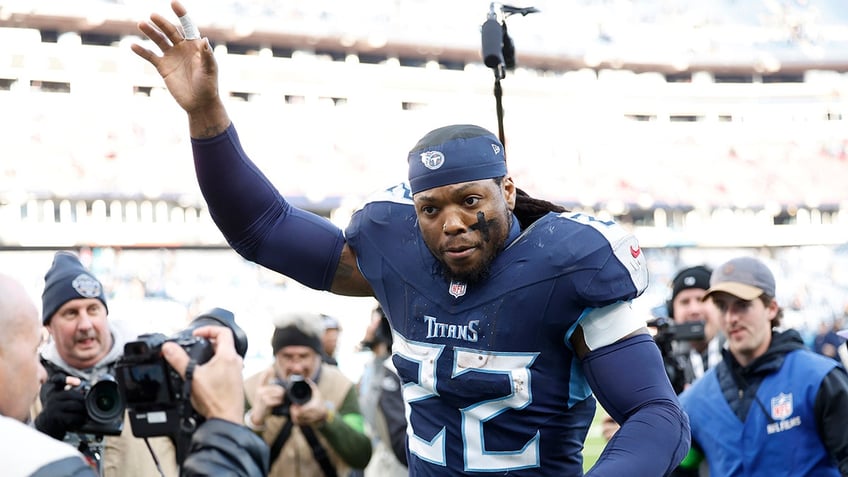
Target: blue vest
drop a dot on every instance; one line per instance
(783, 443)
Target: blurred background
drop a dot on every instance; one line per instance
(708, 128)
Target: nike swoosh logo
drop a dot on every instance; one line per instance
(635, 251)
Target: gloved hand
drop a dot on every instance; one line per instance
(64, 410)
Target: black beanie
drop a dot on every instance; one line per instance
(68, 280)
(291, 335)
(692, 277)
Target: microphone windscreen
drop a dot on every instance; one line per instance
(492, 34)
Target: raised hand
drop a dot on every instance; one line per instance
(189, 69)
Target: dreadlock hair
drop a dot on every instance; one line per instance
(530, 209)
(476, 154)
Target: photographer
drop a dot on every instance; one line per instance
(687, 306)
(26, 451)
(85, 347)
(307, 411)
(381, 401)
(686, 359)
(220, 446)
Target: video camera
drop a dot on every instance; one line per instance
(298, 391)
(668, 330)
(104, 406)
(157, 398)
(676, 362)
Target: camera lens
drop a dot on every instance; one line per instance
(299, 390)
(104, 402)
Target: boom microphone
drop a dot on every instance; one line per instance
(492, 33)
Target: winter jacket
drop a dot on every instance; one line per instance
(343, 439)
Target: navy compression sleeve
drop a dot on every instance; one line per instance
(257, 221)
(629, 380)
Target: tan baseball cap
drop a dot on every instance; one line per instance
(744, 277)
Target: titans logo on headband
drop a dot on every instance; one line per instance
(432, 159)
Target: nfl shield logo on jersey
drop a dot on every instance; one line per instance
(457, 289)
(781, 406)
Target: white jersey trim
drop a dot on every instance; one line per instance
(604, 326)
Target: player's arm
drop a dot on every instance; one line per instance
(691, 464)
(625, 371)
(254, 218)
(264, 228)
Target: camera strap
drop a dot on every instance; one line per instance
(185, 405)
(318, 451)
(280, 440)
(188, 422)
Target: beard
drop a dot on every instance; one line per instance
(470, 276)
(481, 271)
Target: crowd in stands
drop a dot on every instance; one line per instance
(615, 136)
(59, 145)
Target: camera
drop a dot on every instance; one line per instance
(675, 357)
(668, 330)
(157, 398)
(104, 406)
(298, 391)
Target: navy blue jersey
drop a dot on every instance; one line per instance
(491, 381)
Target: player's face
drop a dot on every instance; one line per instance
(747, 325)
(465, 225)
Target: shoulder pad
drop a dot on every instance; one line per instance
(399, 193)
(624, 245)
